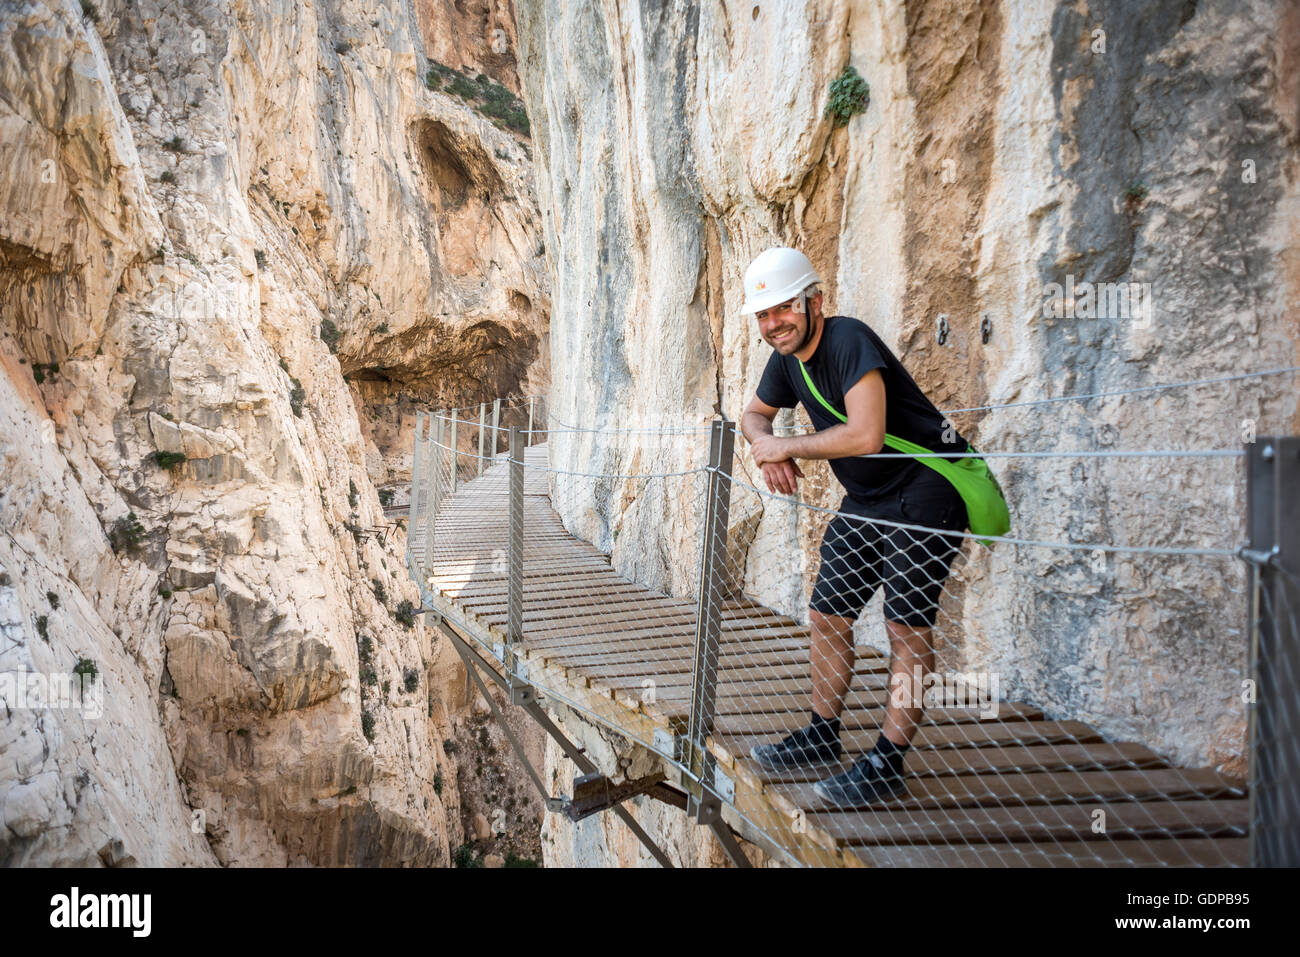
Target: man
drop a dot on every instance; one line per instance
(869, 394)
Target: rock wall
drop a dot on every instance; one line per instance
(240, 245)
(1007, 146)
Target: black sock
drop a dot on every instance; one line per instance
(828, 729)
(892, 754)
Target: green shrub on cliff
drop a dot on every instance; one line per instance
(126, 534)
(849, 96)
(166, 460)
(329, 334)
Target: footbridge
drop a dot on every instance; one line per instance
(690, 639)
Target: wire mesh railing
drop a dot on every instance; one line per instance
(872, 682)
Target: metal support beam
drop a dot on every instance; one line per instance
(727, 838)
(1273, 525)
(552, 803)
(704, 805)
(473, 661)
(413, 514)
(593, 793)
(520, 690)
(455, 448)
(482, 433)
(531, 400)
(435, 491)
(496, 423)
(586, 766)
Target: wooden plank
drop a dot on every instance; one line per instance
(650, 657)
(951, 736)
(542, 597)
(1015, 788)
(598, 608)
(740, 673)
(535, 576)
(538, 574)
(738, 720)
(736, 630)
(1187, 852)
(660, 641)
(626, 624)
(1098, 756)
(782, 698)
(451, 569)
(1049, 822)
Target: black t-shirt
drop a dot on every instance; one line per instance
(847, 351)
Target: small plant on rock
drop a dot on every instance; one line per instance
(410, 679)
(849, 96)
(86, 667)
(464, 857)
(166, 460)
(44, 370)
(1134, 196)
(296, 396)
(405, 614)
(329, 334)
(126, 534)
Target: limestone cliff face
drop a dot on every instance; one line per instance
(1007, 147)
(248, 234)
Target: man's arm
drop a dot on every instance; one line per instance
(756, 425)
(757, 419)
(863, 434)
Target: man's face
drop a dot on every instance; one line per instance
(783, 327)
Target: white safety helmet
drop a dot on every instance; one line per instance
(775, 276)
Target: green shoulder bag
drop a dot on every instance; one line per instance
(986, 507)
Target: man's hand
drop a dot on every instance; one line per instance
(782, 477)
(767, 448)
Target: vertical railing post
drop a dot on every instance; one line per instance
(703, 803)
(1273, 526)
(455, 449)
(520, 690)
(482, 433)
(435, 491)
(531, 400)
(413, 510)
(496, 423)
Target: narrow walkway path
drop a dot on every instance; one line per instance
(1016, 790)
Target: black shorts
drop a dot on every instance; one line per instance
(859, 555)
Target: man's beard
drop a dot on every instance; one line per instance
(795, 344)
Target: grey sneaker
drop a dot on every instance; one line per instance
(867, 782)
(803, 749)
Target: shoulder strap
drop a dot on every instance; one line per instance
(893, 442)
